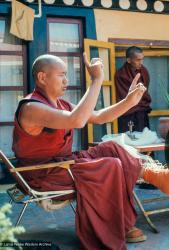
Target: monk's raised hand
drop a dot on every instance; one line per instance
(94, 68)
(86, 62)
(135, 95)
(134, 82)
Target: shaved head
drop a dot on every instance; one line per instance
(44, 62)
(131, 51)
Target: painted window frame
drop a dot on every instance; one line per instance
(23, 88)
(15, 88)
(82, 86)
(151, 48)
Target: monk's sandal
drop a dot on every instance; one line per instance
(135, 235)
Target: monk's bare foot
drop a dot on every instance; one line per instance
(48, 205)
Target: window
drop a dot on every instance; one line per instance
(65, 39)
(12, 75)
(105, 51)
(157, 62)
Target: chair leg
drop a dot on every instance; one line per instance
(21, 214)
(73, 208)
(10, 201)
(153, 227)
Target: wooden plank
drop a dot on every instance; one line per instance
(146, 43)
(107, 103)
(113, 88)
(62, 164)
(107, 83)
(161, 112)
(146, 53)
(151, 147)
(98, 44)
(87, 50)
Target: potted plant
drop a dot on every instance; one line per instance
(7, 231)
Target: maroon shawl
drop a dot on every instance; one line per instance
(123, 79)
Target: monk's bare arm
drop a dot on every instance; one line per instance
(111, 113)
(40, 115)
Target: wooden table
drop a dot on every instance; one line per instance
(148, 149)
(151, 148)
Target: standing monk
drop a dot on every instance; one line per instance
(104, 175)
(123, 78)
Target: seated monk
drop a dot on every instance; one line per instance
(104, 175)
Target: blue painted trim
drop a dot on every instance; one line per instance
(5, 8)
(39, 45)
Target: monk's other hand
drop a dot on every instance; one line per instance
(134, 82)
(94, 68)
(136, 94)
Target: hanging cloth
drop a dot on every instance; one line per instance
(22, 21)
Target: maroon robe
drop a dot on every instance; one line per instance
(123, 79)
(104, 179)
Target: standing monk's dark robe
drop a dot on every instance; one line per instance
(139, 113)
(104, 179)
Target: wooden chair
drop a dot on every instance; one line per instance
(22, 193)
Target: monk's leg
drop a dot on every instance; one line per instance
(104, 210)
(132, 166)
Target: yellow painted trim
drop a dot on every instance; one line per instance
(142, 46)
(89, 126)
(100, 44)
(107, 83)
(159, 112)
(147, 53)
(113, 89)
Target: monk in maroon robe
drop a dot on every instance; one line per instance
(123, 78)
(104, 175)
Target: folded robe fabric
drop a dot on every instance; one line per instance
(22, 21)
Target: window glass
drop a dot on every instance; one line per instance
(64, 37)
(72, 96)
(158, 70)
(8, 104)
(104, 54)
(8, 42)
(11, 70)
(6, 139)
(76, 140)
(73, 70)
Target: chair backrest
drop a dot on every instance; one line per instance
(17, 176)
(23, 185)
